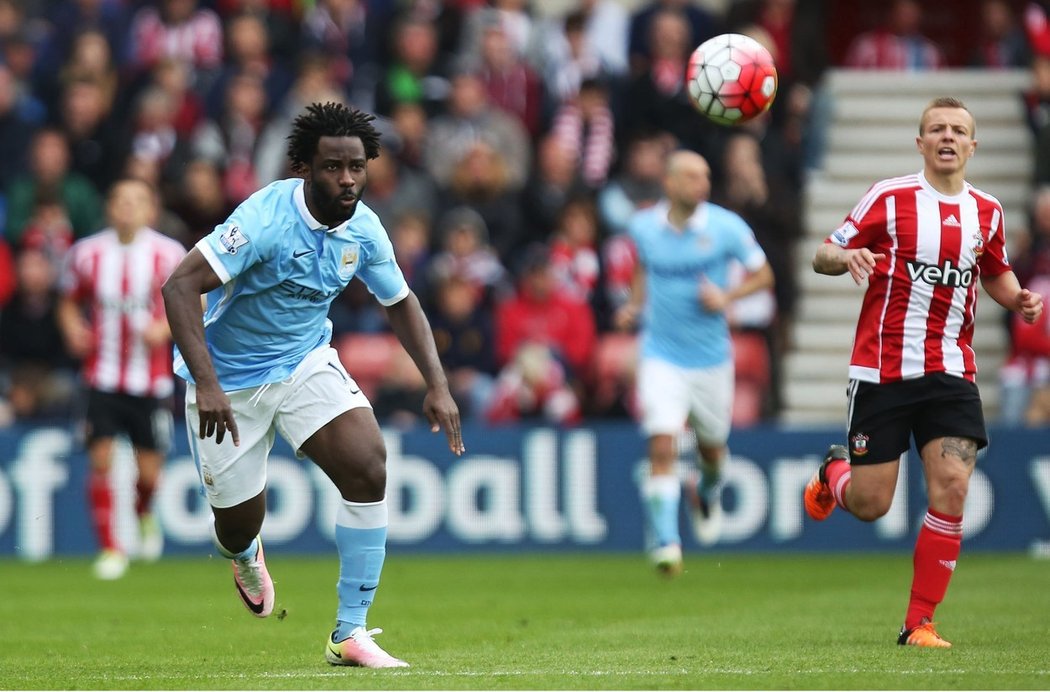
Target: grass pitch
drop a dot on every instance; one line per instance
(531, 622)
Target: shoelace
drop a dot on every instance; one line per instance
(248, 571)
(364, 638)
(926, 627)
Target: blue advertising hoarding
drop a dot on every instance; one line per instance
(521, 488)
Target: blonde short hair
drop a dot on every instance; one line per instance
(947, 102)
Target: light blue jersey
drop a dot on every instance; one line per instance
(281, 269)
(676, 327)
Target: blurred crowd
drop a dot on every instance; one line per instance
(516, 144)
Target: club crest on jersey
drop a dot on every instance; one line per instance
(978, 244)
(348, 261)
(859, 444)
(231, 239)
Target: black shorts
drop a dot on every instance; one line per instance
(883, 417)
(146, 421)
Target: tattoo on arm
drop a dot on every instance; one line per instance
(962, 447)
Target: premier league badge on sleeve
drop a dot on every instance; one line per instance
(231, 239)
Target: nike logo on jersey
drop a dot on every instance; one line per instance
(950, 564)
(951, 221)
(301, 253)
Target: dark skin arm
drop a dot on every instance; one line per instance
(182, 300)
(413, 331)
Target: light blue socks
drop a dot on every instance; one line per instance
(360, 537)
(662, 495)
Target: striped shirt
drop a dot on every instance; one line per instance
(196, 40)
(119, 285)
(918, 312)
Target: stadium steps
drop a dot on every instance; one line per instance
(871, 136)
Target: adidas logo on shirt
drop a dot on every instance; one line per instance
(951, 221)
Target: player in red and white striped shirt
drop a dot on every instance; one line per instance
(921, 242)
(112, 316)
(178, 29)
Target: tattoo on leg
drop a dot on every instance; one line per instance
(962, 447)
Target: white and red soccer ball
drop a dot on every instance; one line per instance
(731, 79)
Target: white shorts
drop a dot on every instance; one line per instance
(315, 393)
(671, 396)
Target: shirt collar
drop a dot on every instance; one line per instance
(952, 199)
(695, 224)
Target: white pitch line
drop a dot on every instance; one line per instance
(421, 672)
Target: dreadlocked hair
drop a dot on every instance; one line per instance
(329, 120)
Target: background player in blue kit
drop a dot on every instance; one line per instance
(258, 360)
(686, 246)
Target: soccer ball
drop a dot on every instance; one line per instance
(731, 79)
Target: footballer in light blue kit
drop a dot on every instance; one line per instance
(686, 248)
(258, 362)
(272, 310)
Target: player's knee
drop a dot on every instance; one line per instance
(870, 507)
(365, 479)
(868, 512)
(100, 454)
(662, 451)
(951, 495)
(373, 477)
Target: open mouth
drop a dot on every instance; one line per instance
(946, 153)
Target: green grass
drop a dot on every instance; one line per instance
(531, 622)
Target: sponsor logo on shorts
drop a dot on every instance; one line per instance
(208, 480)
(860, 445)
